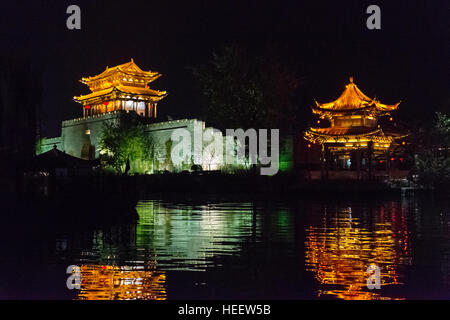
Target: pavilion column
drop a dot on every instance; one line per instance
(154, 106)
(369, 157)
(388, 163)
(324, 162)
(307, 163)
(358, 163)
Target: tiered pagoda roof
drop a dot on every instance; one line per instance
(353, 118)
(351, 101)
(348, 135)
(121, 81)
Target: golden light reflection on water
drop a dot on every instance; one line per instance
(340, 250)
(99, 282)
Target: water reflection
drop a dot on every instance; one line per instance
(339, 250)
(287, 250)
(186, 238)
(100, 282)
(130, 262)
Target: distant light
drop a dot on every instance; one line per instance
(87, 131)
(318, 121)
(381, 161)
(401, 159)
(403, 143)
(392, 159)
(309, 145)
(390, 119)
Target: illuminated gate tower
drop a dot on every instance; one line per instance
(123, 87)
(353, 128)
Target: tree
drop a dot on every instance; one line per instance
(442, 129)
(124, 140)
(244, 90)
(433, 163)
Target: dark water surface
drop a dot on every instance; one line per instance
(222, 249)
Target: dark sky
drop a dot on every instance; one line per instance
(408, 59)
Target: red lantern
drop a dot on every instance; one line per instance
(87, 107)
(106, 103)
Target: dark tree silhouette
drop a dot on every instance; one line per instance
(245, 90)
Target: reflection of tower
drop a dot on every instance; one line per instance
(110, 279)
(99, 282)
(339, 252)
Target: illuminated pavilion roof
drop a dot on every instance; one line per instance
(356, 135)
(353, 99)
(353, 118)
(128, 69)
(124, 90)
(121, 81)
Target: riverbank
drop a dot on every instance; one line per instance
(100, 187)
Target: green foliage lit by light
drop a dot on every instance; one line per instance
(286, 154)
(433, 163)
(40, 145)
(123, 141)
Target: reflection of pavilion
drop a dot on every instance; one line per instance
(100, 282)
(339, 252)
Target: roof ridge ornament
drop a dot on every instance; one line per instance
(351, 79)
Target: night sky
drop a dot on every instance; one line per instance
(408, 59)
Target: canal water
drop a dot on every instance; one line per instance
(238, 249)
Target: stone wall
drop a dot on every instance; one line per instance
(80, 138)
(49, 143)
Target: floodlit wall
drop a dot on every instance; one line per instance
(50, 143)
(80, 138)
